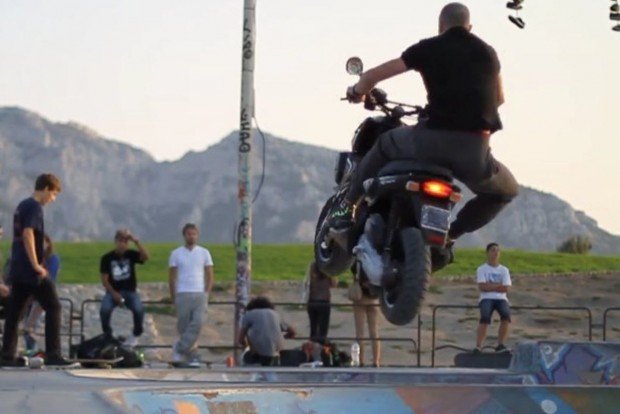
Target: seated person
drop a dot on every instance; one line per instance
(262, 330)
(118, 276)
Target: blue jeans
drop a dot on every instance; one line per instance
(132, 302)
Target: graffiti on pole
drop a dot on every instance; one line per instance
(245, 131)
(248, 47)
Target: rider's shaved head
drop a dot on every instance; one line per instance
(452, 15)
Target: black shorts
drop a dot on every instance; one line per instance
(250, 358)
(487, 306)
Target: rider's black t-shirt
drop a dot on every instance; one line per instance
(460, 72)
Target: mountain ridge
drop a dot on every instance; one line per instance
(109, 184)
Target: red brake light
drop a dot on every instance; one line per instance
(437, 188)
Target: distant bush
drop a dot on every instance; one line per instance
(576, 244)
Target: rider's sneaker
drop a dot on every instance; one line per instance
(477, 351)
(15, 362)
(59, 361)
(442, 256)
(342, 217)
(501, 348)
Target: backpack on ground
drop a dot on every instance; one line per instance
(108, 347)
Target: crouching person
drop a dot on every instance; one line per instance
(190, 274)
(264, 333)
(118, 275)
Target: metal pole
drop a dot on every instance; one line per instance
(419, 337)
(244, 231)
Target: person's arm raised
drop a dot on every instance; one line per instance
(144, 254)
(386, 70)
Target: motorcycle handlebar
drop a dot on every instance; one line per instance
(378, 98)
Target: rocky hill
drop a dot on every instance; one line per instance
(108, 184)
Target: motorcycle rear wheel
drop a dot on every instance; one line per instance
(401, 303)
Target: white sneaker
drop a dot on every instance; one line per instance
(176, 356)
(132, 341)
(194, 359)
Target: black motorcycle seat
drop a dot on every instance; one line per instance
(408, 166)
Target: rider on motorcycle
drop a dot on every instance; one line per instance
(462, 79)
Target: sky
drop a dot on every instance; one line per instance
(165, 76)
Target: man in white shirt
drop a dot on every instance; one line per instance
(493, 282)
(190, 280)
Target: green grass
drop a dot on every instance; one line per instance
(522, 262)
(80, 262)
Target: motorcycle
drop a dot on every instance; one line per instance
(405, 212)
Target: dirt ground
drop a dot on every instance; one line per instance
(454, 327)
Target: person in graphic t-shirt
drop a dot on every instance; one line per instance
(118, 275)
(493, 282)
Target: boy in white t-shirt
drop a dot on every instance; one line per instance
(190, 282)
(493, 282)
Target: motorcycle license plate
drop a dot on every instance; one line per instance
(435, 218)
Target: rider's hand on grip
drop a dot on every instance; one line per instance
(379, 96)
(353, 96)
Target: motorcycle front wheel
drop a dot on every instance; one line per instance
(412, 260)
(330, 257)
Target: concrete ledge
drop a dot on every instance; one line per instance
(302, 376)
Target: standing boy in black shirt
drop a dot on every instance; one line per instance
(29, 277)
(461, 74)
(118, 275)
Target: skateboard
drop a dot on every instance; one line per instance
(483, 360)
(97, 363)
(185, 364)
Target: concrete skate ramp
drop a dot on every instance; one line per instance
(364, 399)
(585, 363)
(545, 363)
(544, 377)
